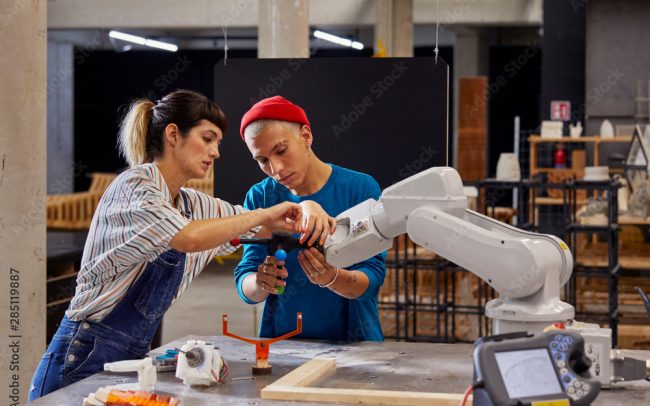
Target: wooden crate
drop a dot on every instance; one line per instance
(631, 255)
(592, 295)
(634, 337)
(564, 176)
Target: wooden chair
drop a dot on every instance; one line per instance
(74, 211)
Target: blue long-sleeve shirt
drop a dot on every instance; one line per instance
(326, 315)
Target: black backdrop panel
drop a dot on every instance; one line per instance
(383, 116)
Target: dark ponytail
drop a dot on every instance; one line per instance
(142, 130)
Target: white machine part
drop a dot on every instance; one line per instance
(200, 364)
(608, 365)
(145, 368)
(147, 378)
(527, 269)
(598, 348)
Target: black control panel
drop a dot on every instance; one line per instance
(518, 369)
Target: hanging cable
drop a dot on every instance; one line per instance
(224, 29)
(435, 51)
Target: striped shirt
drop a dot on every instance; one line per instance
(133, 224)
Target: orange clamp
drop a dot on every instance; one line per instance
(262, 346)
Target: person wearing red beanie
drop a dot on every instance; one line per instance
(273, 108)
(337, 304)
(150, 237)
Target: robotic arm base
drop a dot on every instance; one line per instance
(523, 315)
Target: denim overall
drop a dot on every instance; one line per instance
(81, 348)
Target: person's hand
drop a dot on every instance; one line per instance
(286, 216)
(315, 223)
(268, 273)
(315, 267)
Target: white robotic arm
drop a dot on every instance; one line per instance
(526, 269)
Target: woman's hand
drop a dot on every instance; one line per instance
(349, 284)
(286, 216)
(315, 222)
(315, 267)
(270, 274)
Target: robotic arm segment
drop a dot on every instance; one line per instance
(527, 269)
(369, 227)
(356, 237)
(508, 264)
(439, 186)
(563, 261)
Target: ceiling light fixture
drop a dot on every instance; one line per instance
(338, 40)
(143, 41)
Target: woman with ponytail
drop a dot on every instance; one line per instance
(150, 237)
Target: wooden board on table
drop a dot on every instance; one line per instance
(294, 387)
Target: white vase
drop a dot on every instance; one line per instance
(508, 167)
(606, 129)
(575, 130)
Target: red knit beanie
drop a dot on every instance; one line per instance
(273, 108)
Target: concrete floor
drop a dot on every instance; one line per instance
(200, 308)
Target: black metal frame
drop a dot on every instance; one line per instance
(444, 304)
(610, 230)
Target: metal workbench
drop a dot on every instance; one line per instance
(417, 367)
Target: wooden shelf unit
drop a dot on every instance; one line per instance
(564, 173)
(633, 221)
(535, 140)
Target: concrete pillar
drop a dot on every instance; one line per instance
(283, 30)
(470, 59)
(60, 118)
(394, 28)
(23, 38)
